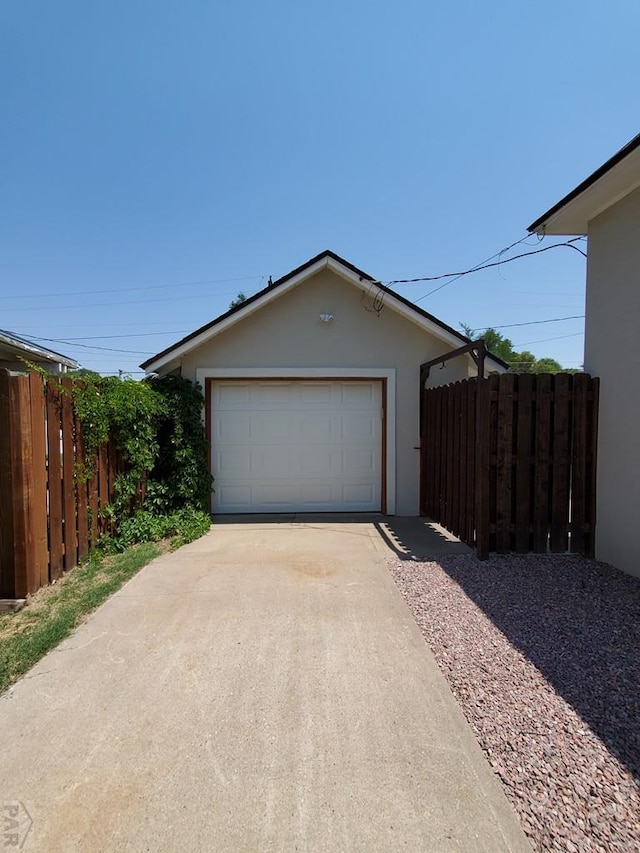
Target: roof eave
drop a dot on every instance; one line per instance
(604, 187)
(23, 347)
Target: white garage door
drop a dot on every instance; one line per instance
(296, 446)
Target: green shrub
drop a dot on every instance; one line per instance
(158, 431)
(181, 526)
(179, 477)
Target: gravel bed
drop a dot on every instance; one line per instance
(543, 655)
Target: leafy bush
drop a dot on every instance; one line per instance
(157, 428)
(181, 526)
(179, 476)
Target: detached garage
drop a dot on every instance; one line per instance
(311, 392)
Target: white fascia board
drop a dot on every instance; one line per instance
(388, 373)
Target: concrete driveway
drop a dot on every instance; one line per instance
(262, 689)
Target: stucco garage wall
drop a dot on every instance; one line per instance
(288, 333)
(612, 352)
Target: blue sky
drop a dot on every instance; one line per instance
(172, 154)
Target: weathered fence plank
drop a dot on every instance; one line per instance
(504, 462)
(561, 463)
(7, 488)
(54, 480)
(38, 506)
(579, 464)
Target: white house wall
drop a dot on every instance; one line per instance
(288, 333)
(612, 352)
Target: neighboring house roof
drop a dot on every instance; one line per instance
(325, 260)
(17, 347)
(612, 181)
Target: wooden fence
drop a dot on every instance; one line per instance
(50, 513)
(508, 463)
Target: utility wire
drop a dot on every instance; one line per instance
(145, 287)
(91, 346)
(473, 269)
(544, 340)
(106, 337)
(484, 266)
(539, 322)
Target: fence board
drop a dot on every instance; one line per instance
(524, 466)
(54, 479)
(20, 424)
(483, 467)
(561, 461)
(69, 498)
(437, 436)
(472, 389)
(455, 459)
(579, 480)
(463, 462)
(590, 484)
(81, 487)
(38, 505)
(504, 462)
(542, 454)
(7, 489)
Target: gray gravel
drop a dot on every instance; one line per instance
(543, 655)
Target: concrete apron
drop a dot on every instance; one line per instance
(264, 688)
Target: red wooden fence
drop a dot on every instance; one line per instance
(508, 463)
(50, 513)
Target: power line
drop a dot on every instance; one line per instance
(106, 337)
(91, 346)
(115, 303)
(539, 322)
(473, 269)
(485, 266)
(145, 287)
(544, 340)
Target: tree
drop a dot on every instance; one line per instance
(519, 362)
(240, 298)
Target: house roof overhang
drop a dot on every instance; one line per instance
(615, 179)
(325, 260)
(20, 347)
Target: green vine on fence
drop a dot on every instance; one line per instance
(157, 429)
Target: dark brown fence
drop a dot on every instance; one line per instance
(50, 513)
(508, 463)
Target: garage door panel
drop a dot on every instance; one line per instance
(315, 394)
(357, 494)
(316, 427)
(358, 462)
(358, 425)
(233, 498)
(233, 462)
(233, 394)
(296, 446)
(359, 395)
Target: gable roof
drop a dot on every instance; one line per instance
(325, 260)
(616, 178)
(20, 347)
